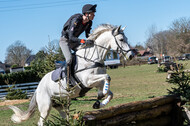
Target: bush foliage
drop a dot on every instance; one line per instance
(59, 121)
(15, 93)
(169, 66)
(19, 77)
(181, 80)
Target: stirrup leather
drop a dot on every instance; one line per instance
(68, 74)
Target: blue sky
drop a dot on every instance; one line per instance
(33, 21)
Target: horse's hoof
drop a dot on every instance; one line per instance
(96, 105)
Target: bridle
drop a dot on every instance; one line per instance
(98, 64)
(118, 46)
(121, 50)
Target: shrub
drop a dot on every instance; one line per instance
(162, 68)
(70, 120)
(20, 77)
(28, 68)
(169, 66)
(15, 93)
(59, 121)
(181, 80)
(14, 66)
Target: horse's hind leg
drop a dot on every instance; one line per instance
(44, 106)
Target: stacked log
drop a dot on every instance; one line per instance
(159, 110)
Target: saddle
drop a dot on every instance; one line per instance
(61, 72)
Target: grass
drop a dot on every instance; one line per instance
(132, 83)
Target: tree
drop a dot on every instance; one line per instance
(54, 46)
(181, 32)
(17, 53)
(41, 54)
(139, 47)
(150, 42)
(174, 41)
(158, 42)
(45, 58)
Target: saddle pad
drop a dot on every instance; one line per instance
(58, 74)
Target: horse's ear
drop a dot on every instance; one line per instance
(123, 28)
(116, 31)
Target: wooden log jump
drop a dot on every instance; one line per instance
(138, 113)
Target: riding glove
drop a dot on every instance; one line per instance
(87, 42)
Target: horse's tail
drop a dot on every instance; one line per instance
(19, 115)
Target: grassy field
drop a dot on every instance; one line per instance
(132, 83)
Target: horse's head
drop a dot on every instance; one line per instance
(107, 36)
(120, 44)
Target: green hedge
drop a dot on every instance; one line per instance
(19, 77)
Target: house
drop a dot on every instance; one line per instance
(29, 60)
(16, 69)
(2, 67)
(146, 52)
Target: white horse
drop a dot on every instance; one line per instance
(89, 72)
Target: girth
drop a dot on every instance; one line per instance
(96, 64)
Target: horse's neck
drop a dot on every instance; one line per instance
(102, 45)
(98, 52)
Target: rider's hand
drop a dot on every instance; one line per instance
(89, 42)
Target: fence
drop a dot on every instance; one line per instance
(159, 111)
(28, 87)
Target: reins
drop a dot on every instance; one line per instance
(97, 64)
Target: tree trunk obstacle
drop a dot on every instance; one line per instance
(159, 111)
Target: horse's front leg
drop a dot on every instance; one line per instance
(104, 86)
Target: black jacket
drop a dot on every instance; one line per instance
(73, 28)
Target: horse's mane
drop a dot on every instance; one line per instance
(99, 30)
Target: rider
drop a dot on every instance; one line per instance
(72, 29)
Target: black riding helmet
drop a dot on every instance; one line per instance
(88, 8)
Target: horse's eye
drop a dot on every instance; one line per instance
(121, 40)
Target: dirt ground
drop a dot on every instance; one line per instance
(12, 102)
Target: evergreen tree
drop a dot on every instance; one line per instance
(181, 82)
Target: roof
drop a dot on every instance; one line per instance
(142, 52)
(2, 65)
(30, 59)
